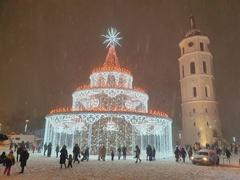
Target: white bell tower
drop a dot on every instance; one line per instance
(200, 119)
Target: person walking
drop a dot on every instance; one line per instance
(49, 149)
(177, 154)
(112, 155)
(23, 159)
(137, 151)
(57, 151)
(104, 151)
(85, 154)
(228, 154)
(119, 152)
(76, 153)
(70, 159)
(9, 162)
(150, 153)
(3, 158)
(45, 147)
(190, 152)
(63, 156)
(19, 150)
(100, 153)
(124, 152)
(183, 154)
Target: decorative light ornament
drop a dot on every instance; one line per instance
(112, 38)
(111, 126)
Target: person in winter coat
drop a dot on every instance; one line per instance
(190, 152)
(49, 149)
(45, 147)
(76, 153)
(149, 153)
(119, 152)
(57, 151)
(228, 154)
(19, 150)
(85, 154)
(177, 154)
(100, 153)
(104, 153)
(63, 156)
(70, 159)
(3, 158)
(9, 162)
(137, 151)
(183, 154)
(112, 155)
(124, 152)
(23, 159)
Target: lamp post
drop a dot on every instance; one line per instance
(25, 130)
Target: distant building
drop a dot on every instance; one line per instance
(200, 118)
(18, 138)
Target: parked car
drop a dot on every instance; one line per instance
(205, 157)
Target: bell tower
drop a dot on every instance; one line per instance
(200, 118)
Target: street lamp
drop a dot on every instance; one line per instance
(26, 126)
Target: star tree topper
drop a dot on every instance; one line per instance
(112, 38)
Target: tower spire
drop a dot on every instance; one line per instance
(193, 29)
(192, 22)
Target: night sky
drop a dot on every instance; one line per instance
(49, 47)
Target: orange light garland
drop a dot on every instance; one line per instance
(112, 68)
(84, 87)
(69, 109)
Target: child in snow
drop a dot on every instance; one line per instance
(70, 159)
(9, 162)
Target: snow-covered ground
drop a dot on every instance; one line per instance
(40, 167)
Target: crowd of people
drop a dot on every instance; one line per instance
(8, 160)
(22, 154)
(78, 155)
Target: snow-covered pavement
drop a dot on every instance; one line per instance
(40, 167)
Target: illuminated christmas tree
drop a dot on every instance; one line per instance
(110, 112)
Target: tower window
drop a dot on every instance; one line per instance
(192, 68)
(201, 46)
(183, 50)
(182, 71)
(207, 124)
(190, 44)
(194, 110)
(194, 124)
(204, 67)
(206, 110)
(206, 91)
(194, 92)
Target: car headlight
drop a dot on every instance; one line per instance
(205, 159)
(191, 157)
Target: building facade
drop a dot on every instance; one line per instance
(200, 118)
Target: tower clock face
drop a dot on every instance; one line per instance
(190, 44)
